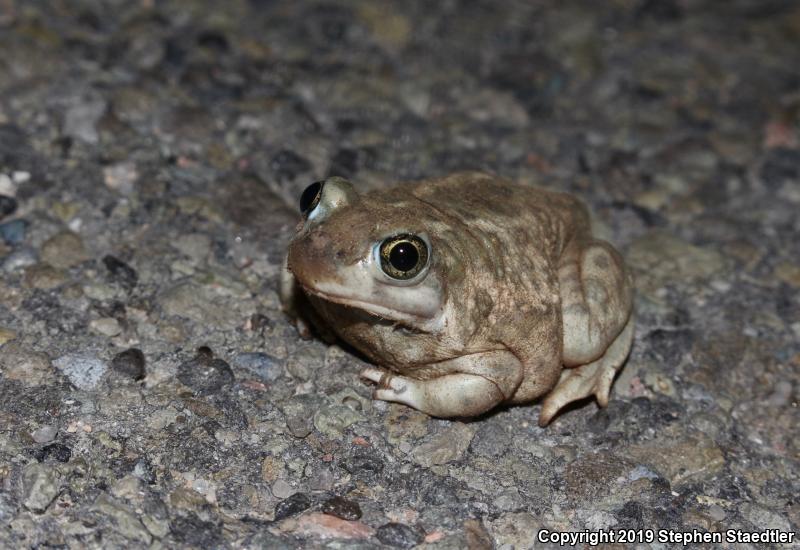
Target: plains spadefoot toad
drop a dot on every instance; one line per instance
(467, 291)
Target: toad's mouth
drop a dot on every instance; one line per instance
(377, 313)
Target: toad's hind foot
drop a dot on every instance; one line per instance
(593, 378)
(452, 395)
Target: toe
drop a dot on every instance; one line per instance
(374, 375)
(550, 408)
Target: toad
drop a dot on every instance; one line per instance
(466, 291)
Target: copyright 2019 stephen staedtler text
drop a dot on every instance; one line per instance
(695, 536)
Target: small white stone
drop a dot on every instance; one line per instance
(75, 225)
(99, 291)
(107, 326)
(7, 186)
(84, 371)
(45, 434)
(282, 489)
(20, 177)
(716, 512)
(121, 177)
(721, 286)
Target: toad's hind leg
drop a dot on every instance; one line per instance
(596, 299)
(594, 378)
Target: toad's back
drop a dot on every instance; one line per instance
(474, 199)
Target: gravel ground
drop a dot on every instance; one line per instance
(152, 394)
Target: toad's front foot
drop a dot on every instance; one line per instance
(451, 395)
(593, 378)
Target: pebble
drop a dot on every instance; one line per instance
(55, 451)
(291, 506)
(659, 258)
(659, 383)
(13, 232)
(364, 465)
(332, 420)
(342, 508)
(271, 468)
(81, 118)
(716, 512)
(107, 326)
(8, 205)
(315, 525)
(40, 486)
(144, 470)
(261, 364)
(7, 508)
(197, 303)
(7, 187)
(398, 535)
(350, 398)
(64, 250)
(20, 258)
(448, 445)
(20, 176)
(128, 525)
(789, 273)
(195, 246)
(6, 335)
(83, 371)
(306, 362)
(322, 479)
(404, 425)
(205, 375)
(781, 394)
(690, 459)
(121, 271)
(31, 368)
(45, 434)
(121, 177)
(130, 362)
(100, 292)
(299, 412)
(44, 277)
(67, 212)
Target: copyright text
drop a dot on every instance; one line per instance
(695, 536)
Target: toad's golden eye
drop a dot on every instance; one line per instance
(310, 197)
(403, 256)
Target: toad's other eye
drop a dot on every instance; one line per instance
(310, 197)
(403, 256)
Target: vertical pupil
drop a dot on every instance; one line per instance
(404, 256)
(308, 199)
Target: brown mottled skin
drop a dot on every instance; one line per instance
(516, 289)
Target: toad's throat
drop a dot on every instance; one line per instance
(378, 314)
